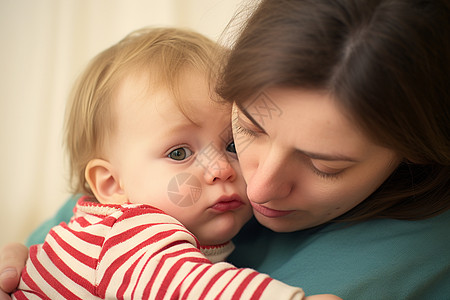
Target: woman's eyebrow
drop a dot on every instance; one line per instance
(249, 116)
(313, 155)
(327, 157)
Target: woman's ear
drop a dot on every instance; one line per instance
(103, 182)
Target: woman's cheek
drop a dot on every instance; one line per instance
(248, 158)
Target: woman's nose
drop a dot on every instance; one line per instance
(272, 179)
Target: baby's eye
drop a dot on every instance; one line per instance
(231, 147)
(180, 153)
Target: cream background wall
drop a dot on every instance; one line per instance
(44, 45)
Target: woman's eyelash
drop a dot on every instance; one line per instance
(238, 129)
(325, 175)
(320, 173)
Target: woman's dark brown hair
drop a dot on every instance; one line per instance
(387, 62)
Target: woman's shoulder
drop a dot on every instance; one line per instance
(371, 232)
(63, 214)
(392, 233)
(378, 259)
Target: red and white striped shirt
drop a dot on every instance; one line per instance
(134, 252)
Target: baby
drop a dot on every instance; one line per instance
(153, 153)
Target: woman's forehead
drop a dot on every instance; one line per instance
(305, 118)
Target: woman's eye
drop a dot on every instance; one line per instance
(238, 129)
(231, 147)
(328, 173)
(325, 174)
(240, 126)
(180, 153)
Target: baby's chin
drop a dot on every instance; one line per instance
(218, 236)
(223, 228)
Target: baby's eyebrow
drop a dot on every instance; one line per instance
(179, 127)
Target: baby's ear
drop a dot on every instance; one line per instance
(104, 183)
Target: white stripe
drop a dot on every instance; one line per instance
(72, 262)
(117, 251)
(223, 280)
(61, 278)
(95, 227)
(67, 282)
(48, 290)
(167, 266)
(186, 270)
(124, 224)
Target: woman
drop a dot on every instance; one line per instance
(341, 124)
(342, 115)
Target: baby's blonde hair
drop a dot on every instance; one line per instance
(162, 52)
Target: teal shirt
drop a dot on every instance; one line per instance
(62, 215)
(380, 259)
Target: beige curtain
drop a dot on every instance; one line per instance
(44, 45)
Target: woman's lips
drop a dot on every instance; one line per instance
(268, 212)
(226, 203)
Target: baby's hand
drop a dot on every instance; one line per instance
(12, 260)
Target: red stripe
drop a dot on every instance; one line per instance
(127, 278)
(19, 295)
(109, 221)
(117, 263)
(212, 281)
(144, 267)
(25, 276)
(130, 212)
(260, 289)
(47, 277)
(85, 236)
(176, 292)
(196, 279)
(89, 261)
(22, 294)
(161, 264)
(238, 293)
(228, 284)
(122, 238)
(70, 274)
(170, 275)
(82, 221)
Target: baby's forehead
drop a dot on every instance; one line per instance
(192, 91)
(141, 104)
